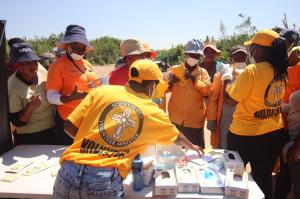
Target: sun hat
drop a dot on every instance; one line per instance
(194, 46)
(23, 52)
(131, 47)
(74, 33)
(212, 46)
(153, 53)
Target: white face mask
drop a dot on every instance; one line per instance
(75, 56)
(153, 90)
(251, 58)
(240, 65)
(191, 61)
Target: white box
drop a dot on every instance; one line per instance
(235, 185)
(233, 161)
(210, 180)
(186, 179)
(165, 182)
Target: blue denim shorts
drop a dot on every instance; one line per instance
(77, 181)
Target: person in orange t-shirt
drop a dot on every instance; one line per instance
(70, 77)
(219, 110)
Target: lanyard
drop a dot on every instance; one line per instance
(90, 84)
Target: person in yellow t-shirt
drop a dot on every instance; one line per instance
(110, 127)
(256, 131)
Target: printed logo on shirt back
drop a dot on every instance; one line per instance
(120, 123)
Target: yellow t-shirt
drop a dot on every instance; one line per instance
(115, 124)
(260, 98)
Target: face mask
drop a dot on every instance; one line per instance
(157, 101)
(240, 65)
(191, 61)
(153, 90)
(75, 56)
(251, 58)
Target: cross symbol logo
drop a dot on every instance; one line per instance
(123, 121)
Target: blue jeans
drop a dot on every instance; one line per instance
(76, 181)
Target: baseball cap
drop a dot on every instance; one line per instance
(263, 38)
(131, 47)
(212, 46)
(74, 33)
(146, 69)
(238, 48)
(194, 46)
(290, 35)
(23, 52)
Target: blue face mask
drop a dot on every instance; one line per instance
(157, 101)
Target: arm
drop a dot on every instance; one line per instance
(23, 117)
(212, 105)
(202, 83)
(70, 129)
(230, 102)
(294, 151)
(183, 141)
(241, 88)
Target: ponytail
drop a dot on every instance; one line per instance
(279, 59)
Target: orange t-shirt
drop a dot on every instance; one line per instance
(63, 76)
(293, 82)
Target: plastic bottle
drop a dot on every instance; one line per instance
(137, 173)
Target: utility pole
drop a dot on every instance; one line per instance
(5, 132)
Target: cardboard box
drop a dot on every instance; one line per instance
(186, 179)
(233, 161)
(235, 185)
(165, 182)
(210, 180)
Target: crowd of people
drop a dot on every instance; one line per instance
(251, 105)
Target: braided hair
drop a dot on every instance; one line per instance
(279, 59)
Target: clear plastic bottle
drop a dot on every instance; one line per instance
(137, 173)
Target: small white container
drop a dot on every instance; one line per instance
(235, 185)
(186, 179)
(165, 183)
(233, 161)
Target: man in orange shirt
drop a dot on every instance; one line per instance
(70, 77)
(189, 84)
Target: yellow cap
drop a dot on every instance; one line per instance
(147, 70)
(263, 38)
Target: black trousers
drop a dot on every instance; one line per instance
(261, 152)
(194, 135)
(47, 136)
(63, 137)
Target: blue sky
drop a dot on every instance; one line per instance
(162, 23)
